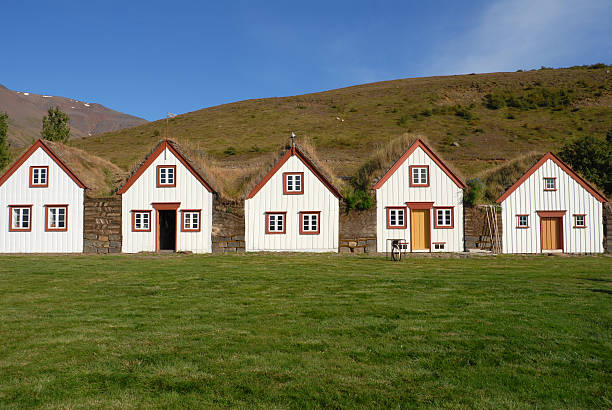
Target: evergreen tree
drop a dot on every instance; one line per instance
(4, 145)
(56, 126)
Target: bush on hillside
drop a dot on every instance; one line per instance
(474, 192)
(591, 157)
(358, 199)
(529, 98)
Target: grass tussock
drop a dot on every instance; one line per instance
(101, 177)
(264, 165)
(498, 179)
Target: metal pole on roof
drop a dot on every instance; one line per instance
(292, 140)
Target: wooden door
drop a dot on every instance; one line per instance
(419, 225)
(550, 229)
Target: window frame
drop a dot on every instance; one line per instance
(268, 214)
(304, 213)
(452, 217)
(518, 221)
(140, 211)
(584, 225)
(402, 208)
(13, 229)
(159, 184)
(443, 244)
(57, 206)
(32, 184)
(293, 192)
(191, 211)
(546, 179)
(412, 168)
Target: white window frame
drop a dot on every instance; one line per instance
(395, 213)
(52, 213)
(145, 221)
(272, 222)
(168, 173)
(306, 223)
(191, 221)
(40, 170)
(419, 172)
(16, 223)
(518, 221)
(447, 218)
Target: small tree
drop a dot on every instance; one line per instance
(55, 126)
(4, 145)
(592, 157)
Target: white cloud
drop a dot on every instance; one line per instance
(514, 34)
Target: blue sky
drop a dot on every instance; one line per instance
(147, 58)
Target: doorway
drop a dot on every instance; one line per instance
(552, 234)
(419, 229)
(166, 230)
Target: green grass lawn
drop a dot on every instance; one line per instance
(305, 331)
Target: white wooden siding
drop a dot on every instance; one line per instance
(270, 198)
(570, 196)
(188, 191)
(61, 190)
(442, 191)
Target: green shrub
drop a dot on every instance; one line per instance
(230, 151)
(474, 192)
(358, 199)
(591, 157)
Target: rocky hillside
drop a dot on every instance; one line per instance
(26, 111)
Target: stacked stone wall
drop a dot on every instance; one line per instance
(102, 225)
(358, 232)
(228, 227)
(476, 228)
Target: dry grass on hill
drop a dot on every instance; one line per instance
(498, 179)
(99, 175)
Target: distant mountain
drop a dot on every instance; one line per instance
(26, 111)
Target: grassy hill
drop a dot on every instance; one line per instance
(475, 121)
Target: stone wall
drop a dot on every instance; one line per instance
(228, 227)
(476, 228)
(102, 225)
(358, 232)
(607, 221)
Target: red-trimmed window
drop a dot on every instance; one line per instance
(396, 217)
(166, 176)
(141, 221)
(190, 220)
(419, 175)
(310, 223)
(522, 221)
(275, 222)
(39, 177)
(20, 217)
(56, 218)
(293, 183)
(550, 184)
(579, 220)
(445, 218)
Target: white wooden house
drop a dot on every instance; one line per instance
(41, 202)
(166, 205)
(552, 209)
(420, 202)
(294, 208)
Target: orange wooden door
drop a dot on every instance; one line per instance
(551, 233)
(419, 224)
